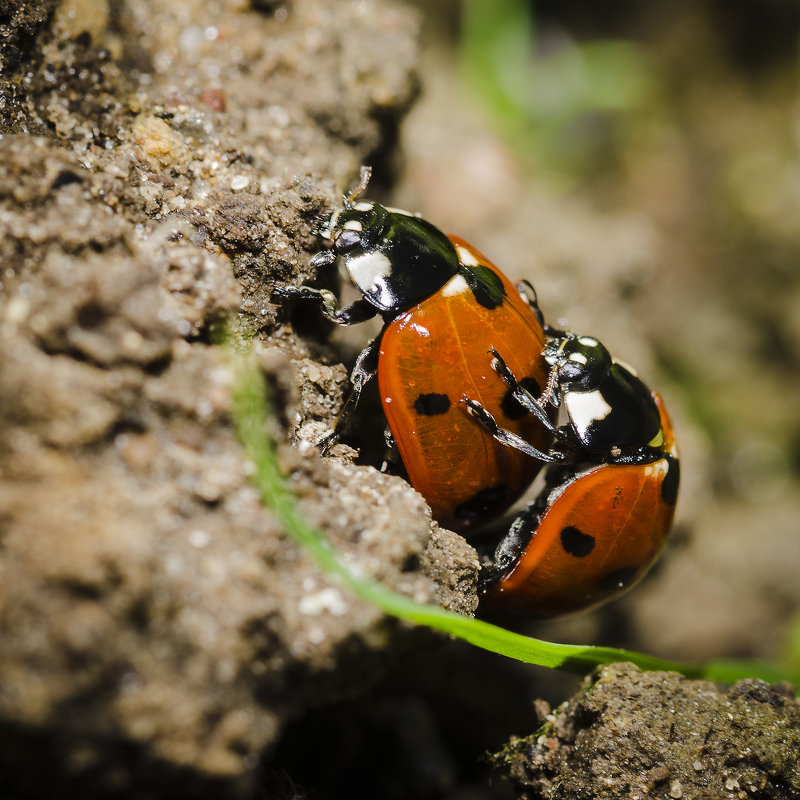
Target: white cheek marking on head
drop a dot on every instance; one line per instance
(353, 225)
(367, 269)
(580, 358)
(365, 205)
(589, 341)
(586, 408)
(456, 285)
(466, 257)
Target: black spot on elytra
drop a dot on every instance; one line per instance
(618, 579)
(485, 285)
(669, 488)
(482, 502)
(576, 543)
(511, 407)
(431, 404)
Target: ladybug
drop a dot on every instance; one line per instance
(443, 304)
(610, 493)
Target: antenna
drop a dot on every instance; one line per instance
(363, 179)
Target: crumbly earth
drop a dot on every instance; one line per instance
(159, 628)
(658, 735)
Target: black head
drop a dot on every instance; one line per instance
(395, 259)
(611, 411)
(582, 362)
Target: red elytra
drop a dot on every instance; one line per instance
(433, 355)
(599, 533)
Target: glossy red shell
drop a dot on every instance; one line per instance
(595, 539)
(433, 355)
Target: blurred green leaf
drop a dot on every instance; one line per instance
(556, 99)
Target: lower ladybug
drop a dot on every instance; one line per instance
(609, 496)
(443, 304)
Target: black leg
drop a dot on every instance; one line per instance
(507, 437)
(356, 312)
(364, 370)
(510, 546)
(519, 534)
(521, 394)
(528, 294)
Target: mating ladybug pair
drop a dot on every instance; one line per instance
(471, 380)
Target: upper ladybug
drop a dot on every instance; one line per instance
(444, 305)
